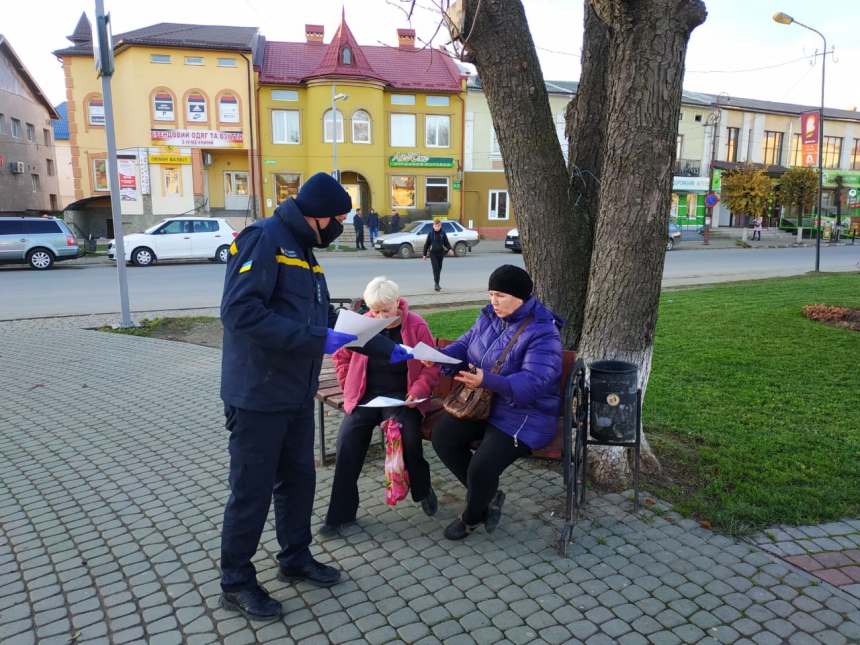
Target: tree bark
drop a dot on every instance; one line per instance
(556, 237)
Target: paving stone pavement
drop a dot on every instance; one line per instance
(113, 471)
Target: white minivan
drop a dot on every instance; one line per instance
(178, 238)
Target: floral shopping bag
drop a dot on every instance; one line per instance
(396, 477)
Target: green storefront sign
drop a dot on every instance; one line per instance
(850, 178)
(717, 182)
(418, 160)
(269, 161)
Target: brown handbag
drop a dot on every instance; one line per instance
(474, 403)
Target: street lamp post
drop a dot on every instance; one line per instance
(785, 19)
(334, 99)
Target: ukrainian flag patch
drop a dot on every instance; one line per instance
(246, 266)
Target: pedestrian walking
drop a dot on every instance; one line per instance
(276, 316)
(757, 228)
(358, 223)
(437, 245)
(395, 222)
(372, 224)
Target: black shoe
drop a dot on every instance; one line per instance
(494, 512)
(437, 287)
(331, 530)
(458, 529)
(314, 572)
(254, 603)
(430, 504)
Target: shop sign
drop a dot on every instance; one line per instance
(197, 138)
(170, 159)
(692, 184)
(809, 126)
(418, 160)
(127, 182)
(269, 161)
(456, 185)
(717, 183)
(850, 178)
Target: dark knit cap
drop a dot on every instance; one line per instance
(511, 280)
(322, 196)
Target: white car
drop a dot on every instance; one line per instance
(178, 238)
(512, 241)
(411, 239)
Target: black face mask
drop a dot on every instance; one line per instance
(328, 234)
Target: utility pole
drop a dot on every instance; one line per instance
(103, 52)
(714, 120)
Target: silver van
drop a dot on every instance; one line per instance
(37, 241)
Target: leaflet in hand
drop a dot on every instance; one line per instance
(364, 327)
(423, 352)
(388, 402)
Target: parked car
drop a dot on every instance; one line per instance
(178, 238)
(512, 240)
(37, 241)
(411, 239)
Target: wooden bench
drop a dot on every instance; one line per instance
(330, 394)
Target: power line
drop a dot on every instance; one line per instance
(754, 69)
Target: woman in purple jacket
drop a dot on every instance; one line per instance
(526, 397)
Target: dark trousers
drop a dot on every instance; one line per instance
(436, 263)
(758, 233)
(271, 455)
(478, 472)
(359, 238)
(353, 440)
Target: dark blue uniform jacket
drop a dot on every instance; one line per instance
(275, 313)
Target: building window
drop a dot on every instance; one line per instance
(437, 131)
(796, 151)
(162, 59)
(438, 101)
(16, 128)
(2, 124)
(771, 150)
(697, 118)
(403, 130)
(46, 134)
(286, 186)
(172, 184)
(436, 190)
(195, 108)
(55, 204)
(285, 95)
(402, 99)
(831, 150)
(679, 147)
(732, 139)
(37, 186)
(100, 175)
(680, 116)
(498, 204)
(494, 144)
(193, 60)
(226, 62)
(285, 126)
(855, 155)
(31, 132)
(360, 127)
(562, 137)
(49, 166)
(346, 56)
(329, 124)
(228, 109)
(163, 105)
(96, 111)
(403, 192)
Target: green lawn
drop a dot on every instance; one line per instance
(753, 409)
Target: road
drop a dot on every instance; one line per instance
(71, 289)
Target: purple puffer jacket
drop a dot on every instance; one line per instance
(527, 398)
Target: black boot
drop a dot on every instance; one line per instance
(430, 504)
(314, 572)
(254, 603)
(437, 287)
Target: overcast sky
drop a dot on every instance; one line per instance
(739, 50)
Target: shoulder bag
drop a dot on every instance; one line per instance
(474, 403)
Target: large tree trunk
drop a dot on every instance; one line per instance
(556, 236)
(647, 45)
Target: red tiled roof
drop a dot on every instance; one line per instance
(333, 65)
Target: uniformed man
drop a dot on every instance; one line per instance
(277, 318)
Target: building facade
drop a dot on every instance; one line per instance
(63, 151)
(388, 119)
(28, 164)
(184, 113)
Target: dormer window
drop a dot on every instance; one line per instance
(347, 56)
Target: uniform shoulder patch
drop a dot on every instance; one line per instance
(246, 266)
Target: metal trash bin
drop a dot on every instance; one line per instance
(613, 401)
(90, 243)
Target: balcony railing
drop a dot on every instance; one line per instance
(688, 167)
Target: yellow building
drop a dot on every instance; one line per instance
(396, 133)
(184, 113)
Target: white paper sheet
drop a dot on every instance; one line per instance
(387, 402)
(423, 352)
(364, 327)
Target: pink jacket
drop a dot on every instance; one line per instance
(420, 381)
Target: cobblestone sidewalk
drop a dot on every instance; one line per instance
(112, 485)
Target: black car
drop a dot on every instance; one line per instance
(512, 241)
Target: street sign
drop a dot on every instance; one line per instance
(711, 200)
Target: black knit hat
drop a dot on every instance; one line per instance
(511, 280)
(322, 196)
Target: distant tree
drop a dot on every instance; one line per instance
(799, 187)
(747, 191)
